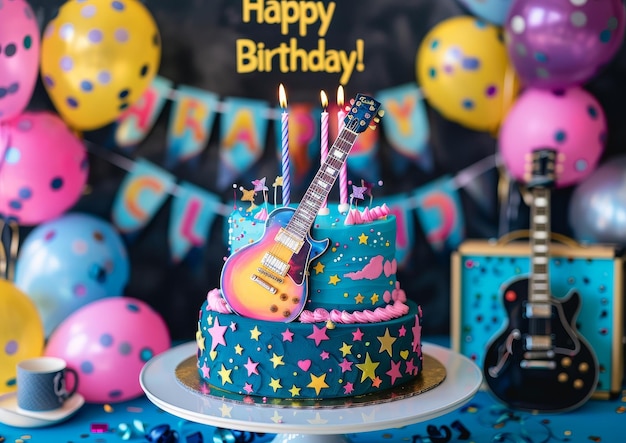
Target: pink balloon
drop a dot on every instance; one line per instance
(19, 57)
(108, 342)
(570, 121)
(44, 168)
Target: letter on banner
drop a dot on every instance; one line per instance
(190, 123)
(136, 122)
(243, 128)
(193, 212)
(406, 123)
(405, 234)
(140, 196)
(440, 213)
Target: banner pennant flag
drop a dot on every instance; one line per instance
(192, 215)
(190, 124)
(142, 193)
(138, 120)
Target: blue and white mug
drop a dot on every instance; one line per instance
(41, 383)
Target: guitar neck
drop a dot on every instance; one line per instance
(540, 244)
(320, 187)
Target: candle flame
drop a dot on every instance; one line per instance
(282, 96)
(340, 97)
(324, 99)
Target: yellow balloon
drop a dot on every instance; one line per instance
(21, 332)
(464, 72)
(97, 58)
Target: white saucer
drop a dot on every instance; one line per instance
(11, 414)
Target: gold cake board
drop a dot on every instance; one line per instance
(432, 375)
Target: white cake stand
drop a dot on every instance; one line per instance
(158, 380)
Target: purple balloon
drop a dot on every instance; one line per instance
(561, 43)
(597, 210)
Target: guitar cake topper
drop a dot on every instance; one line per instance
(267, 279)
(539, 361)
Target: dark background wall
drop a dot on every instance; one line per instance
(198, 40)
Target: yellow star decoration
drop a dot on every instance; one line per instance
(374, 298)
(318, 383)
(334, 279)
(345, 349)
(275, 383)
(213, 354)
(277, 360)
(368, 368)
(278, 181)
(238, 349)
(247, 195)
(209, 320)
(225, 374)
(295, 391)
(276, 418)
(363, 239)
(200, 339)
(252, 207)
(319, 267)
(359, 298)
(386, 341)
(255, 333)
(225, 410)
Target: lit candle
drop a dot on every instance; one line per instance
(324, 141)
(343, 172)
(284, 119)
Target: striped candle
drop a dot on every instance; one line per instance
(324, 135)
(285, 163)
(343, 172)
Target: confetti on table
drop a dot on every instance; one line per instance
(108, 408)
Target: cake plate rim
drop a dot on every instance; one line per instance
(159, 383)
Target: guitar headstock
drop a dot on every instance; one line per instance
(364, 112)
(543, 168)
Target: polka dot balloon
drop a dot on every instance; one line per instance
(562, 43)
(43, 170)
(108, 342)
(97, 58)
(69, 262)
(570, 121)
(462, 67)
(19, 57)
(21, 333)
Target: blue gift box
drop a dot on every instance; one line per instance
(482, 268)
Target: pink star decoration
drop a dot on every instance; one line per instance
(217, 334)
(346, 365)
(357, 335)
(287, 335)
(248, 388)
(206, 371)
(251, 366)
(319, 334)
(394, 372)
(348, 388)
(417, 329)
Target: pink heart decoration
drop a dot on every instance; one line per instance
(304, 364)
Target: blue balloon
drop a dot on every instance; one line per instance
(68, 262)
(493, 11)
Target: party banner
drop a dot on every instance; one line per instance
(406, 122)
(134, 124)
(405, 232)
(141, 194)
(190, 124)
(243, 128)
(439, 211)
(192, 214)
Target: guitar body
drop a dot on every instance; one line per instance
(253, 288)
(547, 380)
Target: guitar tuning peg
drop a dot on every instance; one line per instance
(381, 112)
(373, 126)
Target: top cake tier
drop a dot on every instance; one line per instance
(357, 272)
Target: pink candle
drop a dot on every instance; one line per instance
(343, 172)
(324, 133)
(285, 163)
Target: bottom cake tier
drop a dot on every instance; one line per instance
(307, 360)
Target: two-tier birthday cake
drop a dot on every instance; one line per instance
(309, 305)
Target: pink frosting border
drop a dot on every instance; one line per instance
(215, 302)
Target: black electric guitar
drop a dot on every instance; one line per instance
(539, 361)
(267, 279)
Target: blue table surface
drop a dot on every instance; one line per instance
(484, 419)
